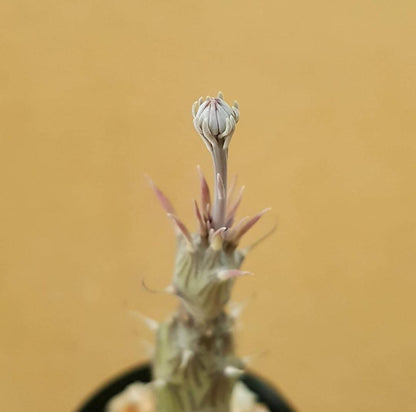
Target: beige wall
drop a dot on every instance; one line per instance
(94, 94)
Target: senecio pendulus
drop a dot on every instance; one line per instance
(195, 367)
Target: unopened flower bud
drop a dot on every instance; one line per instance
(215, 122)
(214, 119)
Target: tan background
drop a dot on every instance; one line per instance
(94, 94)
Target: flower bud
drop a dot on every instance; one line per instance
(214, 119)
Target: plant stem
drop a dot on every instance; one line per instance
(219, 156)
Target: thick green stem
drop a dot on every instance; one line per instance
(195, 348)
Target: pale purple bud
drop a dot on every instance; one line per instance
(214, 119)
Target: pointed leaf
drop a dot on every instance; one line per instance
(201, 222)
(182, 230)
(248, 225)
(233, 209)
(163, 200)
(205, 194)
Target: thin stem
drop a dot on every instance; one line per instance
(219, 156)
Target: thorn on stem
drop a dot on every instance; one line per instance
(224, 275)
(233, 372)
(236, 309)
(150, 323)
(170, 290)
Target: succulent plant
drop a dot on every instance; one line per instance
(195, 366)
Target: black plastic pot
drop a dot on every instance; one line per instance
(97, 402)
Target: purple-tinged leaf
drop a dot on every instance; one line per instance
(231, 189)
(182, 230)
(244, 228)
(201, 223)
(150, 323)
(232, 232)
(205, 194)
(163, 200)
(233, 209)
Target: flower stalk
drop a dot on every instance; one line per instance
(215, 122)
